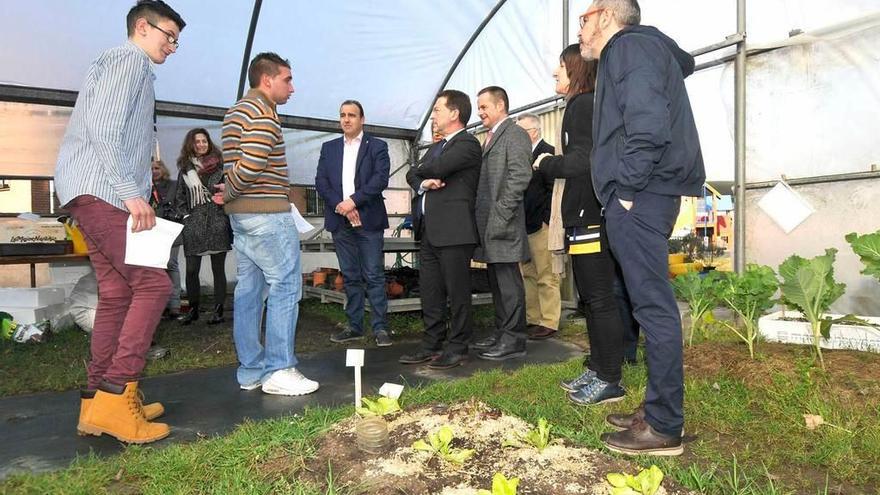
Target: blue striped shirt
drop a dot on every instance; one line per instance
(107, 147)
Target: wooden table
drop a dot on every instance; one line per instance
(40, 258)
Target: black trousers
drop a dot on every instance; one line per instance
(639, 240)
(193, 287)
(509, 298)
(594, 278)
(444, 273)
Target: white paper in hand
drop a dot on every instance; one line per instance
(151, 247)
(302, 225)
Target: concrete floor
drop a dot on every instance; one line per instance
(38, 432)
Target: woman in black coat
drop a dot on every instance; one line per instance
(585, 238)
(206, 229)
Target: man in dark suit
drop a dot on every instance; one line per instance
(543, 304)
(352, 173)
(445, 184)
(505, 173)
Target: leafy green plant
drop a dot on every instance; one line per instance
(809, 287)
(749, 295)
(440, 443)
(378, 407)
(702, 294)
(868, 248)
(538, 438)
(647, 482)
(501, 486)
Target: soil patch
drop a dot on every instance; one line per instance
(559, 469)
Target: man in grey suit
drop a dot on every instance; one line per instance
(504, 176)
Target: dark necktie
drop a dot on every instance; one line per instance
(438, 149)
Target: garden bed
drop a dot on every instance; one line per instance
(559, 469)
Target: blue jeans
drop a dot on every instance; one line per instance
(267, 248)
(362, 264)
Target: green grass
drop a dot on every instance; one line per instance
(750, 438)
(60, 363)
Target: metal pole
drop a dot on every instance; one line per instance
(565, 37)
(739, 115)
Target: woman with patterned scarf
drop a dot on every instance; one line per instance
(206, 228)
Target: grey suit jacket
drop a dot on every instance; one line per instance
(504, 176)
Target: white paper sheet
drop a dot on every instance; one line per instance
(302, 225)
(786, 207)
(151, 247)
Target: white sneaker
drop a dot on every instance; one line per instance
(251, 386)
(289, 382)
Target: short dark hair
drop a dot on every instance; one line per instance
(265, 63)
(456, 100)
(625, 12)
(497, 93)
(581, 73)
(153, 11)
(353, 102)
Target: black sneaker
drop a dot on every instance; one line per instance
(574, 384)
(347, 335)
(597, 392)
(382, 338)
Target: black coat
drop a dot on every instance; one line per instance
(580, 207)
(538, 194)
(643, 127)
(449, 211)
(206, 227)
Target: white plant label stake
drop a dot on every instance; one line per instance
(391, 390)
(355, 358)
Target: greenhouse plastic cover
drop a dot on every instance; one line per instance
(811, 107)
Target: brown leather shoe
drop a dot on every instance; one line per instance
(625, 421)
(538, 332)
(641, 439)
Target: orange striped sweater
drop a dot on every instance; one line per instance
(254, 162)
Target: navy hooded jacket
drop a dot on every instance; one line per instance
(644, 135)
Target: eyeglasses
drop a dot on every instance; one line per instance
(586, 16)
(171, 39)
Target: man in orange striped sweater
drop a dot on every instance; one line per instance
(266, 241)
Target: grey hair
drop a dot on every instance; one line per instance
(530, 116)
(625, 12)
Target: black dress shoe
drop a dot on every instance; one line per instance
(503, 351)
(448, 360)
(190, 316)
(419, 357)
(485, 343)
(217, 315)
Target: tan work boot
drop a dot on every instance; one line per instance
(150, 411)
(117, 411)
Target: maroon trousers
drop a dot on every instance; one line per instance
(130, 298)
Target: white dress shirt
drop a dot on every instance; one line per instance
(350, 148)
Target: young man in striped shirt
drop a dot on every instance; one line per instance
(102, 177)
(266, 240)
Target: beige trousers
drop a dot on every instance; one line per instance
(543, 301)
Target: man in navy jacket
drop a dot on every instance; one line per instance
(352, 173)
(646, 155)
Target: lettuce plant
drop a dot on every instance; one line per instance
(538, 438)
(501, 486)
(378, 407)
(647, 482)
(701, 295)
(809, 287)
(868, 248)
(440, 443)
(749, 295)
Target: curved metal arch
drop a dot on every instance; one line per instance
(248, 45)
(458, 59)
